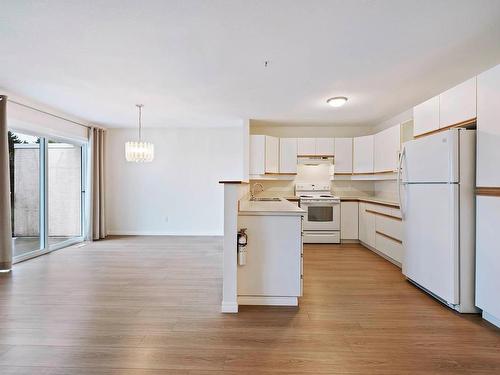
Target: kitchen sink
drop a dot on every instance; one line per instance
(265, 199)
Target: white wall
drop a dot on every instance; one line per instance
(398, 119)
(181, 184)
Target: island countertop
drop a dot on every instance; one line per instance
(276, 208)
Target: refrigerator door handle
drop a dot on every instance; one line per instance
(399, 180)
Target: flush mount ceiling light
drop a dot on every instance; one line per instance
(139, 151)
(337, 101)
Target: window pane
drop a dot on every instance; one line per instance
(64, 191)
(24, 159)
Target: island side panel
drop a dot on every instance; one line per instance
(273, 267)
(232, 193)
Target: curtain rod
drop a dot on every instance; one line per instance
(53, 115)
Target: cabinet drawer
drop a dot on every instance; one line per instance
(389, 247)
(396, 212)
(379, 209)
(389, 226)
(321, 237)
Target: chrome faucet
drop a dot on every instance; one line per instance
(252, 189)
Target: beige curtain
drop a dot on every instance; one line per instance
(5, 223)
(97, 201)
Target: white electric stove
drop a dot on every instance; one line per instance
(322, 220)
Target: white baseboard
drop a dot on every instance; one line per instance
(492, 319)
(270, 301)
(115, 232)
(229, 307)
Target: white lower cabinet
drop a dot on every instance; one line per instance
(381, 228)
(274, 258)
(389, 247)
(366, 225)
(488, 258)
(389, 226)
(349, 220)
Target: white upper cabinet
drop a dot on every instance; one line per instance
(488, 128)
(343, 155)
(458, 104)
(257, 154)
(288, 155)
(315, 146)
(272, 154)
(363, 154)
(325, 146)
(426, 116)
(387, 147)
(264, 154)
(306, 146)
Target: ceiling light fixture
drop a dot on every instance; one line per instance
(337, 101)
(139, 151)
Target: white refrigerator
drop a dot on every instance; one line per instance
(436, 182)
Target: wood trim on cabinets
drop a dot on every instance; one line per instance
(343, 173)
(385, 215)
(368, 173)
(315, 156)
(367, 200)
(233, 182)
(462, 124)
(488, 191)
(280, 174)
(384, 172)
(389, 237)
(349, 200)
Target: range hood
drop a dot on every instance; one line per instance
(315, 160)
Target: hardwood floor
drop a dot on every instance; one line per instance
(150, 305)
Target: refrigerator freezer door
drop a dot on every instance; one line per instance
(432, 159)
(431, 238)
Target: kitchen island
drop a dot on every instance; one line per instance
(272, 273)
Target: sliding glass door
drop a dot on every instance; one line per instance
(47, 179)
(25, 157)
(64, 192)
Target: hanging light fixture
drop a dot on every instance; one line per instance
(139, 151)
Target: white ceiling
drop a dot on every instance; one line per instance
(201, 63)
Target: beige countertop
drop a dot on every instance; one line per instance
(281, 208)
(362, 198)
(372, 200)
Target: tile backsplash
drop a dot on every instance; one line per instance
(386, 190)
(340, 188)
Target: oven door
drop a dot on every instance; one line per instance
(321, 215)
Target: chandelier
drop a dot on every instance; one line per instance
(139, 151)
